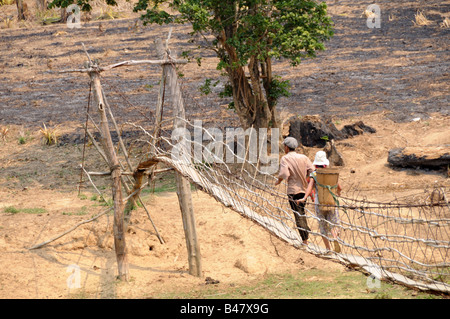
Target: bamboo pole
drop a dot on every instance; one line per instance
(161, 170)
(132, 202)
(162, 54)
(114, 165)
(183, 185)
(94, 68)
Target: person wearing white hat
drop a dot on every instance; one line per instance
(321, 159)
(294, 168)
(328, 218)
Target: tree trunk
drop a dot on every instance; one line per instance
(20, 13)
(63, 13)
(252, 104)
(41, 4)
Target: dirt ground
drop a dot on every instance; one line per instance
(394, 79)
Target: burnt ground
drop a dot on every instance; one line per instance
(400, 69)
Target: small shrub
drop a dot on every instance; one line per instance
(50, 135)
(22, 139)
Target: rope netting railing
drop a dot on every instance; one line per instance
(405, 240)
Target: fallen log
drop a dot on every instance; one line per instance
(426, 157)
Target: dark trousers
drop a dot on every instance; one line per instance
(299, 214)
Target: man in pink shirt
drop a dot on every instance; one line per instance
(294, 168)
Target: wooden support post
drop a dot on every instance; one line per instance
(187, 214)
(114, 165)
(132, 202)
(183, 185)
(110, 156)
(162, 54)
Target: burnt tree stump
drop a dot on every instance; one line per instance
(426, 157)
(316, 131)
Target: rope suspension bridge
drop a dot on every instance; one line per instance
(406, 241)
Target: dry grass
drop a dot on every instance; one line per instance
(421, 19)
(109, 14)
(8, 23)
(50, 135)
(47, 16)
(445, 23)
(3, 133)
(6, 2)
(369, 14)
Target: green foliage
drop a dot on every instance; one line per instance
(83, 4)
(46, 17)
(290, 29)
(24, 137)
(22, 140)
(228, 92)
(13, 210)
(82, 197)
(206, 88)
(279, 88)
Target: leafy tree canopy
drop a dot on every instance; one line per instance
(292, 29)
(83, 4)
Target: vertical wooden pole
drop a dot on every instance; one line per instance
(114, 165)
(187, 214)
(183, 185)
(162, 54)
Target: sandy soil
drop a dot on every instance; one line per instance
(385, 77)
